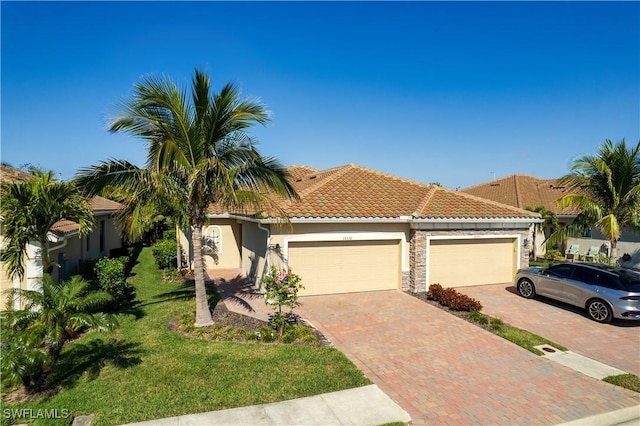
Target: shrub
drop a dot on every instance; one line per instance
(553, 254)
(87, 269)
(169, 234)
(435, 291)
(450, 298)
(281, 289)
(111, 277)
(164, 251)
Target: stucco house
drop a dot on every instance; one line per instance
(525, 191)
(67, 248)
(356, 229)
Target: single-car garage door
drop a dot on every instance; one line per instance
(466, 262)
(328, 267)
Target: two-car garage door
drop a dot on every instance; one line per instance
(328, 267)
(466, 262)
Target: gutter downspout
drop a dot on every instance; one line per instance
(267, 254)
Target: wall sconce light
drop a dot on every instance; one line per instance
(526, 242)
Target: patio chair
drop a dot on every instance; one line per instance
(572, 251)
(592, 253)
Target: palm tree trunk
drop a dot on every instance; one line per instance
(203, 314)
(613, 255)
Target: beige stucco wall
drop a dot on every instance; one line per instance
(227, 253)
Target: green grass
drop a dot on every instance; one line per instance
(628, 381)
(520, 337)
(143, 371)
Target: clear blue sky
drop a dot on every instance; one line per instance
(446, 92)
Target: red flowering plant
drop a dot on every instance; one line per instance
(281, 289)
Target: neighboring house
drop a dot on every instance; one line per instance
(67, 248)
(528, 192)
(357, 229)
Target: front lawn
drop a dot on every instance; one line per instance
(144, 371)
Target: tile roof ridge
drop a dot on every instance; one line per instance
(389, 175)
(516, 188)
(425, 200)
(338, 171)
(495, 203)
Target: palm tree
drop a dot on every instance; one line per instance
(30, 209)
(53, 315)
(606, 189)
(548, 227)
(198, 154)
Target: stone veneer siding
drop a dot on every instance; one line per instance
(418, 251)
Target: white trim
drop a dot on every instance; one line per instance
(349, 236)
(217, 241)
(401, 219)
(518, 237)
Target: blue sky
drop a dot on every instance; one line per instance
(451, 92)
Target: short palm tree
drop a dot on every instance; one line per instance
(29, 210)
(547, 227)
(198, 154)
(606, 190)
(52, 316)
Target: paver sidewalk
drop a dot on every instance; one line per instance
(443, 370)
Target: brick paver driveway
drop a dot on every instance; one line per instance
(443, 370)
(616, 344)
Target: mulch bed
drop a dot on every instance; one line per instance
(223, 316)
(460, 314)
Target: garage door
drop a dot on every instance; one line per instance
(328, 267)
(459, 263)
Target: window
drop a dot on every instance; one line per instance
(585, 275)
(101, 236)
(560, 271)
(608, 281)
(212, 239)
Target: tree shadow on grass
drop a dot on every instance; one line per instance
(132, 308)
(185, 291)
(91, 357)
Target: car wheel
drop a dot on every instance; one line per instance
(526, 288)
(599, 310)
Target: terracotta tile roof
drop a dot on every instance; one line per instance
(65, 226)
(353, 191)
(523, 191)
(9, 174)
(98, 203)
(298, 172)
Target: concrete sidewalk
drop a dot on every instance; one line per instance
(366, 405)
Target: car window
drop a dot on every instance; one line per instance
(585, 275)
(560, 271)
(630, 279)
(606, 280)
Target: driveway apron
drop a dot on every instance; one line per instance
(444, 370)
(616, 344)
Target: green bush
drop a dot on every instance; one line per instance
(553, 254)
(87, 269)
(164, 251)
(169, 234)
(111, 277)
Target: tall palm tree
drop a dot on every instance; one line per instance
(30, 208)
(198, 154)
(606, 190)
(52, 316)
